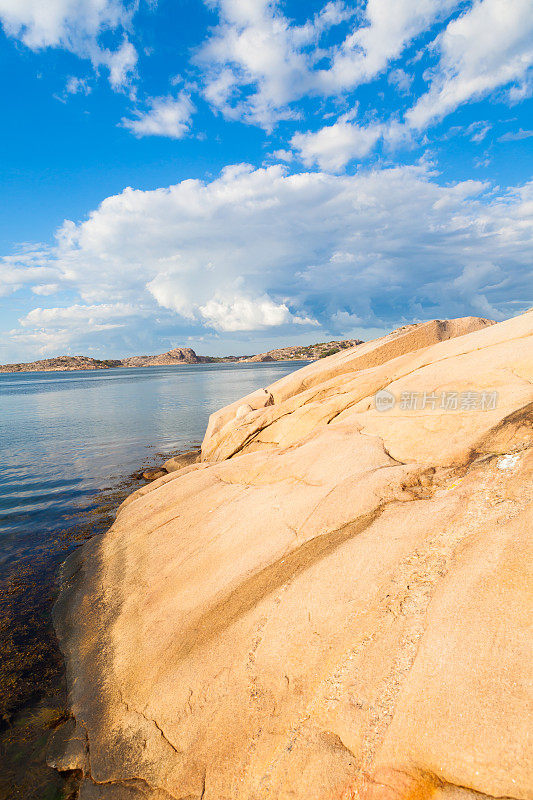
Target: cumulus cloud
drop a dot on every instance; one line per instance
(334, 145)
(120, 63)
(77, 27)
(256, 46)
(258, 62)
(166, 116)
(224, 311)
(283, 155)
(264, 250)
(245, 313)
(387, 28)
(489, 46)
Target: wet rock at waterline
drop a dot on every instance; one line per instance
(182, 460)
(153, 474)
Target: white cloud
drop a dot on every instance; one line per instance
(54, 330)
(30, 345)
(487, 47)
(478, 130)
(345, 322)
(340, 257)
(120, 63)
(258, 62)
(333, 146)
(401, 79)
(167, 116)
(332, 14)
(77, 27)
(482, 162)
(46, 289)
(254, 45)
(77, 85)
(515, 136)
(246, 313)
(283, 155)
(224, 311)
(389, 26)
(31, 265)
(521, 90)
(70, 315)
(263, 250)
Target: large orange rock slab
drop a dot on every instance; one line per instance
(339, 611)
(231, 431)
(480, 622)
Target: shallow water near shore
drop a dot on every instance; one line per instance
(69, 444)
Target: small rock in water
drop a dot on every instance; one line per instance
(153, 474)
(182, 460)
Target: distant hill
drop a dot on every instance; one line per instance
(62, 364)
(310, 352)
(180, 355)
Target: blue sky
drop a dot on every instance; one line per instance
(234, 175)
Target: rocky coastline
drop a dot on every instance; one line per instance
(331, 600)
(179, 356)
(33, 697)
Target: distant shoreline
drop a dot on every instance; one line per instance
(180, 356)
(214, 362)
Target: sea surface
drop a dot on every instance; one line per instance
(71, 448)
(66, 435)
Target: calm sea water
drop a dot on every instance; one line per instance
(69, 443)
(66, 435)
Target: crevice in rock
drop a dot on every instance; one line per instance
(150, 720)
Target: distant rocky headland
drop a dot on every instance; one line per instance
(180, 355)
